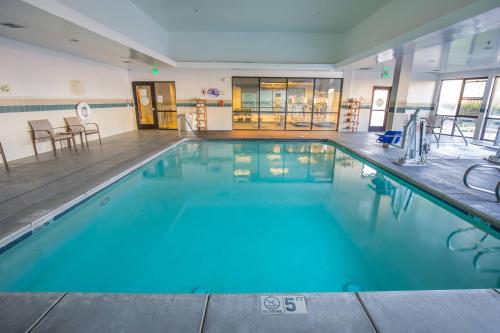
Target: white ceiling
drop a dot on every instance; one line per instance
(454, 49)
(299, 16)
(43, 29)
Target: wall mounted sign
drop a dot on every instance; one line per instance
(76, 87)
(211, 92)
(4, 88)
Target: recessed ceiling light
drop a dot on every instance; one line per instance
(436, 70)
(12, 25)
(127, 61)
(74, 40)
(432, 60)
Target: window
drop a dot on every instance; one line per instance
(272, 103)
(245, 103)
(326, 103)
(492, 123)
(286, 104)
(460, 100)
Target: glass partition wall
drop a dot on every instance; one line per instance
(286, 103)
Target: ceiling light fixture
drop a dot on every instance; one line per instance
(74, 40)
(127, 62)
(385, 56)
(432, 60)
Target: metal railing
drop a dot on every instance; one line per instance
(183, 115)
(477, 188)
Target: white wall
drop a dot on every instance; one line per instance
(359, 84)
(41, 76)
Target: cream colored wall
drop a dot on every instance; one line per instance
(40, 76)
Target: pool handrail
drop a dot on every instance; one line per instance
(484, 166)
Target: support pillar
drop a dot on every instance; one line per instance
(399, 92)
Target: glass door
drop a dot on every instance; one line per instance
(144, 98)
(166, 105)
(155, 104)
(380, 102)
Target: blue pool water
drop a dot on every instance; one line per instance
(238, 217)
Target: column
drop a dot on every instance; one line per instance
(399, 91)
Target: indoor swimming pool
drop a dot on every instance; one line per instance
(254, 217)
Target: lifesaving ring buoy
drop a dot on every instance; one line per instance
(83, 111)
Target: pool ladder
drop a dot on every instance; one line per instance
(477, 188)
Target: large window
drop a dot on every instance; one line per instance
(286, 104)
(492, 123)
(460, 100)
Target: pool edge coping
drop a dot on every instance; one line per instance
(27, 230)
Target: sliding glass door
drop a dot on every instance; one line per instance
(286, 103)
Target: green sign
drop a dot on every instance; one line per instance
(386, 73)
(155, 71)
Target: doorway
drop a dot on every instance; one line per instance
(378, 110)
(155, 104)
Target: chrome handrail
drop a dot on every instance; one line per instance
(484, 166)
(183, 115)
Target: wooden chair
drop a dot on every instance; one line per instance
(42, 130)
(76, 127)
(4, 159)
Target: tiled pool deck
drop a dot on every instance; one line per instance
(421, 311)
(35, 187)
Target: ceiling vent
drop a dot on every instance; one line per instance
(12, 25)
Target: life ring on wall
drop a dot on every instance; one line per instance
(83, 111)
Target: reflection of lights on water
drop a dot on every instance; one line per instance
(369, 171)
(306, 160)
(277, 149)
(278, 171)
(241, 172)
(303, 159)
(243, 158)
(273, 157)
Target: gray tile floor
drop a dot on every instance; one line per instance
(422, 311)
